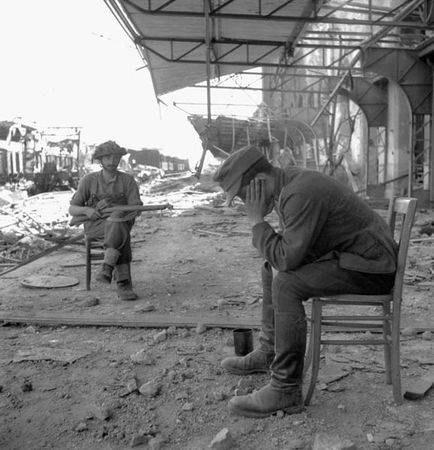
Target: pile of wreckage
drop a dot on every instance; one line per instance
(33, 227)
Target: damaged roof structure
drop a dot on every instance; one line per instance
(312, 57)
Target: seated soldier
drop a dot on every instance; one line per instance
(330, 242)
(96, 192)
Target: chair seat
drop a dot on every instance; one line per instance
(355, 299)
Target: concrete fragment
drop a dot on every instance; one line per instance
(370, 437)
(146, 307)
(132, 385)
(139, 439)
(160, 337)
(201, 328)
(324, 441)
(223, 440)
(188, 406)
(142, 357)
(156, 443)
(92, 301)
(427, 335)
(150, 389)
(102, 412)
(81, 426)
(417, 388)
(409, 331)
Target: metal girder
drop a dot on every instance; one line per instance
(145, 7)
(371, 98)
(406, 69)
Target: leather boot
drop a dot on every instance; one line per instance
(111, 256)
(125, 291)
(284, 390)
(124, 284)
(267, 401)
(260, 359)
(105, 274)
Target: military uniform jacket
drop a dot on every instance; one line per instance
(322, 219)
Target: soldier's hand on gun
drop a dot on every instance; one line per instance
(103, 204)
(92, 213)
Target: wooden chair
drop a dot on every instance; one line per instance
(92, 244)
(388, 322)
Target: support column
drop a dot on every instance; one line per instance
(399, 141)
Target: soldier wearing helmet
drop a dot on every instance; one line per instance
(96, 192)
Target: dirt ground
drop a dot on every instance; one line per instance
(76, 387)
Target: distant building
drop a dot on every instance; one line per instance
(153, 157)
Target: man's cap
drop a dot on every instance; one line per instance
(230, 174)
(108, 148)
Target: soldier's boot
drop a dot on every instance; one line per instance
(111, 256)
(124, 285)
(259, 360)
(284, 392)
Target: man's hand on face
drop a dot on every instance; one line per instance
(256, 202)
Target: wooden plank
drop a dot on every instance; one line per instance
(156, 321)
(149, 321)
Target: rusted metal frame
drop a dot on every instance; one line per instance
(337, 8)
(228, 52)
(306, 39)
(257, 61)
(179, 58)
(373, 39)
(206, 8)
(410, 66)
(222, 6)
(164, 5)
(415, 106)
(306, 19)
(270, 14)
(357, 10)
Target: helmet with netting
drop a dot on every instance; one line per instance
(108, 148)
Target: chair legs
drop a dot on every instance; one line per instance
(88, 245)
(387, 335)
(395, 364)
(391, 352)
(314, 347)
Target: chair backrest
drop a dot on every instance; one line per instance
(402, 210)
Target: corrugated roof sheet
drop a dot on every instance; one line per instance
(172, 35)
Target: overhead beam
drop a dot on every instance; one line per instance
(279, 18)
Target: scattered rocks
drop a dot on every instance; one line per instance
(139, 439)
(102, 412)
(150, 389)
(160, 337)
(91, 301)
(409, 331)
(325, 441)
(132, 385)
(157, 443)
(142, 357)
(188, 406)
(201, 328)
(146, 307)
(80, 427)
(223, 440)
